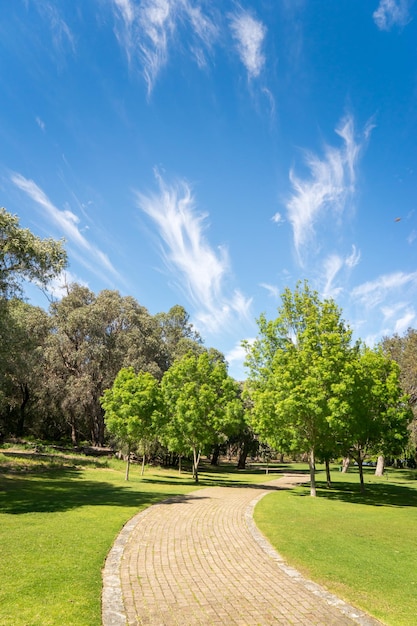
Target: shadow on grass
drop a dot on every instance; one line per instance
(60, 486)
(63, 490)
(230, 476)
(53, 460)
(376, 494)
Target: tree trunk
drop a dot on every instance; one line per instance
(215, 455)
(20, 426)
(360, 466)
(196, 459)
(127, 464)
(345, 464)
(179, 464)
(74, 434)
(380, 466)
(143, 464)
(243, 455)
(328, 477)
(312, 464)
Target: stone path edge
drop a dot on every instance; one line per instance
(353, 613)
(112, 607)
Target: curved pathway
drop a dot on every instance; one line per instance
(199, 560)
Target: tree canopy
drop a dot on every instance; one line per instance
(293, 365)
(131, 408)
(24, 256)
(370, 411)
(201, 404)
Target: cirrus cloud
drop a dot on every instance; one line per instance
(149, 30)
(200, 271)
(327, 190)
(249, 34)
(67, 222)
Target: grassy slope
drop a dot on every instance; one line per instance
(361, 547)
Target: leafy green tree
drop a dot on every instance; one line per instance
(201, 404)
(178, 335)
(23, 332)
(24, 256)
(370, 410)
(294, 364)
(131, 407)
(92, 338)
(403, 350)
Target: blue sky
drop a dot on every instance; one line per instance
(212, 153)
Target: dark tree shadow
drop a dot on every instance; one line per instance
(376, 494)
(63, 490)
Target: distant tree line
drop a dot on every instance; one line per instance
(100, 368)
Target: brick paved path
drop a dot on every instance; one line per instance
(198, 560)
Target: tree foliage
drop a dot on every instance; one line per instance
(178, 335)
(23, 330)
(403, 350)
(93, 337)
(293, 364)
(24, 256)
(201, 405)
(131, 408)
(371, 412)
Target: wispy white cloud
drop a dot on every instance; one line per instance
(200, 271)
(399, 315)
(354, 257)
(412, 237)
(40, 123)
(67, 223)
(392, 13)
(271, 289)
(390, 311)
(332, 266)
(404, 322)
(326, 191)
(249, 34)
(277, 218)
(236, 358)
(152, 31)
(332, 269)
(238, 353)
(61, 32)
(373, 293)
(127, 10)
(149, 30)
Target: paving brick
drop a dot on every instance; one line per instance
(198, 560)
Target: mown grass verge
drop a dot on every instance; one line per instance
(59, 515)
(361, 547)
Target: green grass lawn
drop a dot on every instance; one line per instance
(361, 547)
(59, 515)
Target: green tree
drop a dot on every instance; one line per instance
(201, 405)
(294, 364)
(370, 410)
(23, 332)
(24, 256)
(403, 350)
(92, 338)
(131, 407)
(178, 334)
